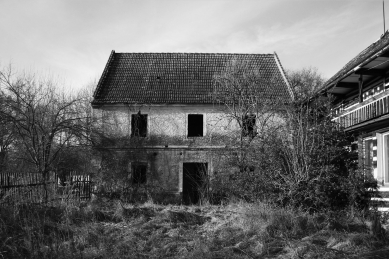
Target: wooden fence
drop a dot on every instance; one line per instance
(32, 188)
(74, 185)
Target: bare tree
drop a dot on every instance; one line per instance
(317, 166)
(6, 135)
(44, 119)
(252, 106)
(305, 82)
(245, 92)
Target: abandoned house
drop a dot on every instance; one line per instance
(159, 108)
(361, 90)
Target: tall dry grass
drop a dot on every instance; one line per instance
(106, 229)
(262, 230)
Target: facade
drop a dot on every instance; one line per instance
(361, 90)
(160, 109)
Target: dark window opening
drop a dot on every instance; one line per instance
(139, 173)
(138, 125)
(195, 125)
(248, 126)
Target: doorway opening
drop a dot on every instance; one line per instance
(194, 182)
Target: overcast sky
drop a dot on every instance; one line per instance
(72, 39)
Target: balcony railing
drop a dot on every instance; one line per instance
(361, 113)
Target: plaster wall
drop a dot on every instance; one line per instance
(169, 121)
(165, 166)
(167, 147)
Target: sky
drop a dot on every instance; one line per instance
(71, 40)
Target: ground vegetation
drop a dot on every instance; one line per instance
(110, 229)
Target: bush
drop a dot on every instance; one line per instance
(318, 163)
(309, 162)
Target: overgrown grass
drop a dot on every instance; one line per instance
(106, 229)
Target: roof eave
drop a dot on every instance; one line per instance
(333, 82)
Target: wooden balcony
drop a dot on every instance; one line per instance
(357, 113)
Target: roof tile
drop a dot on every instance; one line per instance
(175, 78)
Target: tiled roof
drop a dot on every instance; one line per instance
(176, 78)
(361, 57)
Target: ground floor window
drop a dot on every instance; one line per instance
(370, 156)
(139, 172)
(385, 157)
(376, 157)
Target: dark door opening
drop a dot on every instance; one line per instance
(194, 178)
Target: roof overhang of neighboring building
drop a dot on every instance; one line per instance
(367, 67)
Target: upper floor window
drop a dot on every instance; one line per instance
(138, 125)
(248, 125)
(195, 125)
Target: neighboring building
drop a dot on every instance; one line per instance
(361, 90)
(160, 109)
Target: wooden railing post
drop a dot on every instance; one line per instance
(360, 88)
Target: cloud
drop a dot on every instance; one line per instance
(311, 32)
(74, 38)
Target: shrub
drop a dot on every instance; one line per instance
(318, 164)
(309, 162)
